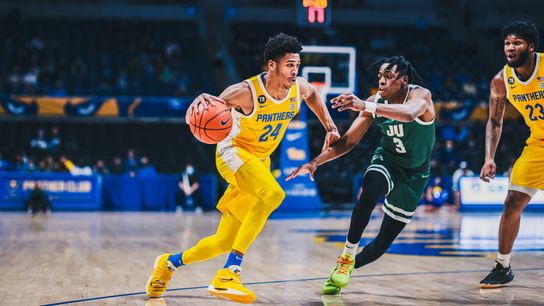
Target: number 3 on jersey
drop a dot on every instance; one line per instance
(269, 130)
(400, 146)
(398, 131)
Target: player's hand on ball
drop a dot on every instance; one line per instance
(306, 168)
(488, 171)
(348, 101)
(206, 99)
(330, 139)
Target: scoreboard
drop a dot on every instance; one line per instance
(314, 13)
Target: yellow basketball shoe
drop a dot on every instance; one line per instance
(227, 285)
(162, 273)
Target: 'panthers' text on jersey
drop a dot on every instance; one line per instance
(528, 98)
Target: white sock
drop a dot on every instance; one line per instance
(235, 268)
(350, 248)
(503, 259)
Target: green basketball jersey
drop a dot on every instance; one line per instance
(407, 144)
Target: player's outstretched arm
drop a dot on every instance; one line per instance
(357, 130)
(309, 93)
(417, 105)
(493, 130)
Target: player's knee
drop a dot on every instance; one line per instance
(225, 244)
(273, 197)
(515, 203)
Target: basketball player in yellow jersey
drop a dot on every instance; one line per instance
(262, 107)
(521, 82)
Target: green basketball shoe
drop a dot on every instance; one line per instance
(341, 273)
(329, 288)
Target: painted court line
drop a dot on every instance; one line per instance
(289, 281)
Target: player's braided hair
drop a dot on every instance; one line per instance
(279, 45)
(404, 67)
(523, 29)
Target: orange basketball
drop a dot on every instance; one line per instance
(211, 125)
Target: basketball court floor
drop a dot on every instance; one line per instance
(106, 258)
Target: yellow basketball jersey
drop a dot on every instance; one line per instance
(528, 98)
(260, 132)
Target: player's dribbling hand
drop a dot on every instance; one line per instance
(306, 168)
(489, 170)
(205, 99)
(348, 101)
(330, 139)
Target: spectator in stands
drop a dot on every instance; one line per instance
(469, 87)
(31, 166)
(188, 196)
(456, 178)
(447, 132)
(37, 43)
(130, 163)
(450, 156)
(172, 50)
(39, 142)
(146, 169)
(78, 68)
(4, 164)
(30, 80)
(100, 167)
(117, 167)
(41, 165)
(435, 196)
(50, 165)
(74, 169)
(21, 163)
(15, 80)
(37, 201)
(167, 75)
(122, 81)
(461, 134)
(58, 90)
(54, 142)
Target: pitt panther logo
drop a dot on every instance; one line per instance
(396, 130)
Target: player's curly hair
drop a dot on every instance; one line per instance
(279, 45)
(523, 29)
(404, 67)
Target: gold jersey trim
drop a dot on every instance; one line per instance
(263, 88)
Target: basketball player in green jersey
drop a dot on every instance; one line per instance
(400, 165)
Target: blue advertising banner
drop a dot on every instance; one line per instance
(301, 192)
(65, 191)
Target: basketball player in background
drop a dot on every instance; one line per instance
(521, 82)
(262, 107)
(400, 166)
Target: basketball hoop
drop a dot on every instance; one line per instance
(322, 89)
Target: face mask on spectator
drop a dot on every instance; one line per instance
(189, 170)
